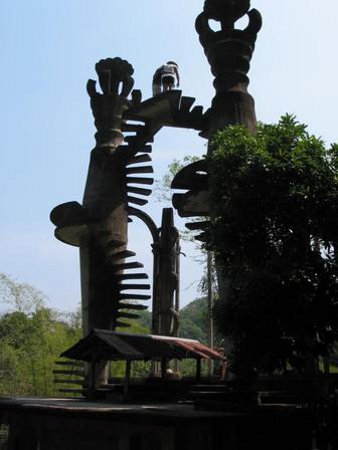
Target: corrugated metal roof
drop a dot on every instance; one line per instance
(113, 345)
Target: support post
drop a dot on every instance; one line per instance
(210, 306)
(167, 275)
(198, 369)
(91, 378)
(127, 380)
(163, 367)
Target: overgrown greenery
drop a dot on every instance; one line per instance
(32, 336)
(193, 320)
(275, 235)
(163, 186)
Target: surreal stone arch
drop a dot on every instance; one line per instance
(120, 172)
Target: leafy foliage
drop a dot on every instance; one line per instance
(163, 186)
(274, 233)
(21, 297)
(193, 320)
(32, 337)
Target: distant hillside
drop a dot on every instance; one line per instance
(193, 320)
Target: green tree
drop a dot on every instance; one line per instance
(21, 297)
(194, 320)
(163, 186)
(274, 233)
(32, 337)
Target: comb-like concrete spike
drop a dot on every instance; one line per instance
(140, 169)
(136, 287)
(134, 297)
(130, 139)
(137, 190)
(186, 103)
(125, 315)
(198, 225)
(122, 255)
(137, 180)
(202, 237)
(147, 148)
(136, 200)
(126, 266)
(131, 276)
(139, 159)
(132, 306)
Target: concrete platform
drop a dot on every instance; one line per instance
(67, 424)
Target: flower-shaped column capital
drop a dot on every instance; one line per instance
(229, 52)
(116, 83)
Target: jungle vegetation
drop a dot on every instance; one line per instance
(274, 233)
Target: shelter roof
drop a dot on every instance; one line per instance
(113, 345)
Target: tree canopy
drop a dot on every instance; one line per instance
(274, 232)
(32, 336)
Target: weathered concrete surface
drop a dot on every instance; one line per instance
(54, 424)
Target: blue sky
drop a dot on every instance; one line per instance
(49, 49)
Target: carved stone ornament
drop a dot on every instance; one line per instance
(229, 50)
(227, 12)
(116, 82)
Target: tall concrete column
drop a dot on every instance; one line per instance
(99, 227)
(229, 52)
(105, 196)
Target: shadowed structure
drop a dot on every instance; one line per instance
(116, 187)
(117, 181)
